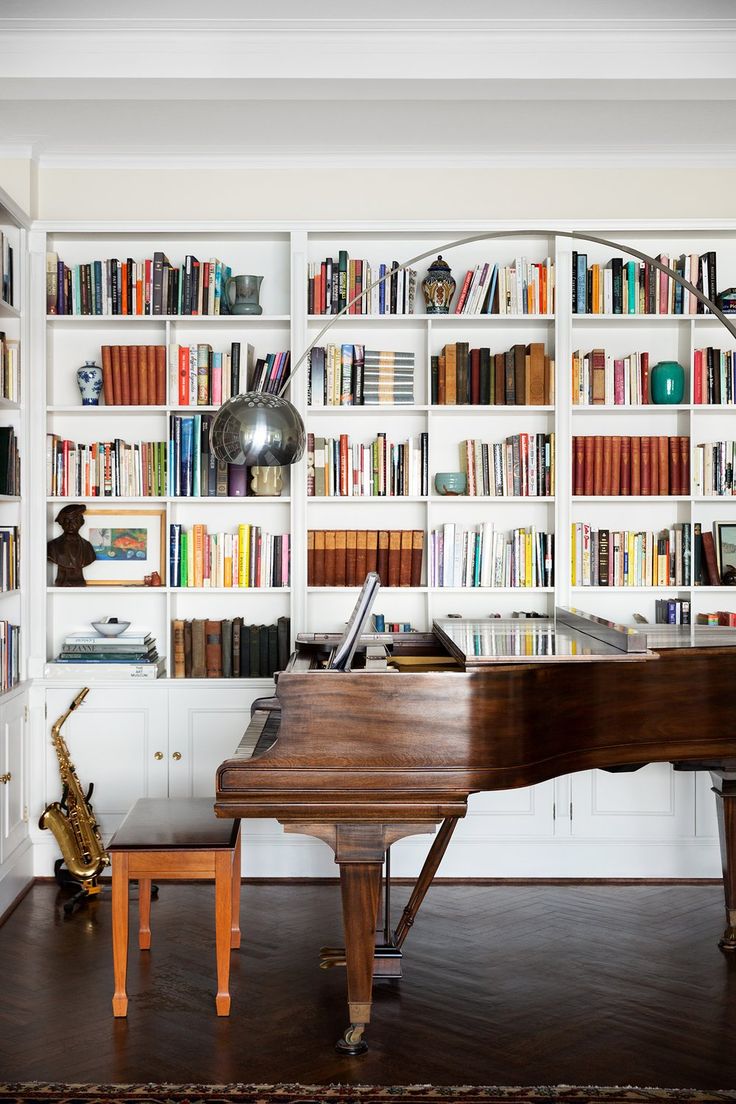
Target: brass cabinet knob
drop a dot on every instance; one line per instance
(5, 778)
(176, 755)
(158, 755)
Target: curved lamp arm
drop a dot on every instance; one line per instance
(577, 234)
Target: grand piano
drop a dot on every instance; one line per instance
(361, 754)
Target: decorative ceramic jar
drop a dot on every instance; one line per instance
(241, 294)
(451, 483)
(667, 382)
(266, 480)
(89, 380)
(438, 287)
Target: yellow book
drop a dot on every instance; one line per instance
(198, 533)
(227, 570)
(573, 554)
(190, 561)
(630, 577)
(243, 554)
(528, 550)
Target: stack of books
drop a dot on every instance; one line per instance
(631, 465)
(714, 377)
(343, 557)
(523, 464)
(635, 287)
(599, 379)
(336, 281)
(105, 469)
(523, 376)
(9, 369)
(523, 287)
(229, 648)
(251, 557)
(9, 557)
(480, 556)
(714, 468)
(340, 468)
(133, 654)
(9, 462)
(624, 558)
(133, 375)
(351, 375)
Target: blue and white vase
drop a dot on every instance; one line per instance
(89, 379)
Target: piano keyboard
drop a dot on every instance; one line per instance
(262, 731)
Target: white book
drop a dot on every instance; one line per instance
(120, 672)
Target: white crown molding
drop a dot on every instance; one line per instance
(579, 158)
(15, 153)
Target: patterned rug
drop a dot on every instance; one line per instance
(42, 1093)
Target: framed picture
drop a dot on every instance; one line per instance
(129, 544)
(725, 541)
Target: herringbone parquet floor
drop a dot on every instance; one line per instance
(503, 985)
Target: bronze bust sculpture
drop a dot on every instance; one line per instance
(70, 552)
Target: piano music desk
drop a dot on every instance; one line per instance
(175, 838)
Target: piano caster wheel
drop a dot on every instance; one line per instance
(728, 942)
(352, 1042)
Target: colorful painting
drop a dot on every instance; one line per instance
(119, 544)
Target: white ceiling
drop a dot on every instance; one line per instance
(442, 83)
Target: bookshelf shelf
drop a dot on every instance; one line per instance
(634, 499)
(332, 499)
(361, 411)
(656, 319)
(10, 498)
(355, 589)
(7, 310)
(172, 499)
(634, 589)
(137, 589)
(505, 411)
(9, 593)
(492, 590)
(9, 404)
(514, 500)
(243, 321)
(112, 411)
(646, 409)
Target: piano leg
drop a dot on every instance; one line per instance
(360, 884)
(426, 876)
(724, 787)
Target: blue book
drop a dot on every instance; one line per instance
(633, 287)
(98, 301)
(196, 485)
(582, 283)
(492, 289)
(382, 290)
(174, 548)
(185, 457)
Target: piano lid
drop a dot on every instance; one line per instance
(568, 637)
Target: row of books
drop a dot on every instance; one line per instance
(9, 655)
(194, 470)
(9, 369)
(522, 376)
(380, 624)
(336, 281)
(637, 287)
(521, 465)
(9, 557)
(621, 465)
(337, 468)
(672, 611)
(351, 375)
(720, 617)
(714, 377)
(482, 556)
(229, 648)
(133, 375)
(149, 287)
(339, 557)
(9, 462)
(105, 469)
(626, 558)
(598, 378)
(714, 464)
(524, 287)
(207, 378)
(7, 274)
(249, 557)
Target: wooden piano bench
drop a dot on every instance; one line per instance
(175, 838)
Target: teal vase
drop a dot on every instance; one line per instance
(668, 382)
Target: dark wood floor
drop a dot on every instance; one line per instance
(503, 985)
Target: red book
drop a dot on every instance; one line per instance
(183, 375)
(133, 372)
(646, 479)
(636, 465)
(674, 447)
(160, 375)
(107, 380)
(684, 465)
(645, 374)
(142, 375)
(578, 452)
(698, 376)
(475, 377)
(598, 466)
(615, 465)
(664, 466)
(464, 291)
(124, 376)
(711, 563)
(625, 465)
(607, 465)
(589, 465)
(151, 366)
(654, 465)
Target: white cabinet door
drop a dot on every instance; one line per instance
(653, 803)
(13, 826)
(117, 740)
(205, 727)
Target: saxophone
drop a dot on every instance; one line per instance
(72, 820)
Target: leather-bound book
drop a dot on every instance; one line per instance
(475, 377)
(124, 376)
(499, 378)
(645, 378)
(151, 363)
(509, 379)
(442, 380)
(607, 464)
(262, 650)
(320, 566)
(187, 649)
(237, 625)
(361, 556)
(254, 652)
(273, 650)
(537, 395)
(549, 381)
(603, 556)
(684, 465)
(213, 648)
(598, 371)
(351, 559)
(177, 648)
(598, 465)
(451, 395)
(133, 374)
(636, 465)
(283, 626)
(108, 387)
(143, 375)
(160, 375)
(589, 465)
(646, 474)
(519, 354)
(579, 465)
(462, 350)
(654, 465)
(404, 557)
(199, 660)
(382, 565)
(245, 656)
(485, 372)
(417, 549)
(674, 450)
(329, 579)
(237, 481)
(664, 465)
(340, 575)
(371, 556)
(310, 557)
(117, 380)
(616, 465)
(712, 577)
(227, 648)
(394, 557)
(625, 465)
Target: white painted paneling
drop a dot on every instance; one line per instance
(654, 803)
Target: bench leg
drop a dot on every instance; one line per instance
(144, 914)
(223, 927)
(120, 931)
(235, 921)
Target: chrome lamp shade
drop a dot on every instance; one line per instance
(258, 429)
